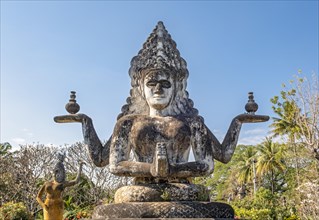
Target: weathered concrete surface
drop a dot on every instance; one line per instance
(164, 210)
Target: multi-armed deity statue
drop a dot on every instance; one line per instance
(160, 125)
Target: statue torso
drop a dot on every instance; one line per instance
(147, 131)
(54, 190)
(54, 201)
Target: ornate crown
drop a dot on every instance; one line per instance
(158, 52)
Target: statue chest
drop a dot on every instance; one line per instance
(54, 190)
(148, 131)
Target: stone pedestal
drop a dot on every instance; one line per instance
(161, 201)
(161, 192)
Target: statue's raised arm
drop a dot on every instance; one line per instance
(223, 152)
(98, 153)
(207, 146)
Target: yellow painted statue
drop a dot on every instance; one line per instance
(53, 205)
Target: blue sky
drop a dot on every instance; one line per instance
(49, 48)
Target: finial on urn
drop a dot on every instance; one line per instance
(72, 107)
(251, 107)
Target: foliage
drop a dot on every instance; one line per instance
(4, 149)
(309, 193)
(78, 213)
(223, 184)
(14, 211)
(298, 111)
(24, 170)
(270, 161)
(245, 164)
(28, 168)
(254, 214)
(272, 199)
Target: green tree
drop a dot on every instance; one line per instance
(245, 168)
(5, 148)
(286, 124)
(297, 109)
(270, 161)
(245, 164)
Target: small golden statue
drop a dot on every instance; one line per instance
(53, 206)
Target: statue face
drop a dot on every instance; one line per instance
(59, 175)
(158, 90)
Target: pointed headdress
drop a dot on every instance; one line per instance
(159, 52)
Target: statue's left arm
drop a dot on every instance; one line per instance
(206, 146)
(224, 151)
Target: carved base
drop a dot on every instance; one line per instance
(182, 209)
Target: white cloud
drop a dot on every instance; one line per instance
(280, 139)
(255, 131)
(19, 140)
(27, 132)
(251, 140)
(253, 136)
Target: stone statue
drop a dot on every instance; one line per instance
(160, 125)
(53, 206)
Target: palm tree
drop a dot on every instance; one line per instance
(245, 164)
(244, 170)
(287, 124)
(270, 160)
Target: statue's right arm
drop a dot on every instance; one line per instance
(39, 197)
(98, 153)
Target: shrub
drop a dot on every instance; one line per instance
(254, 214)
(14, 211)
